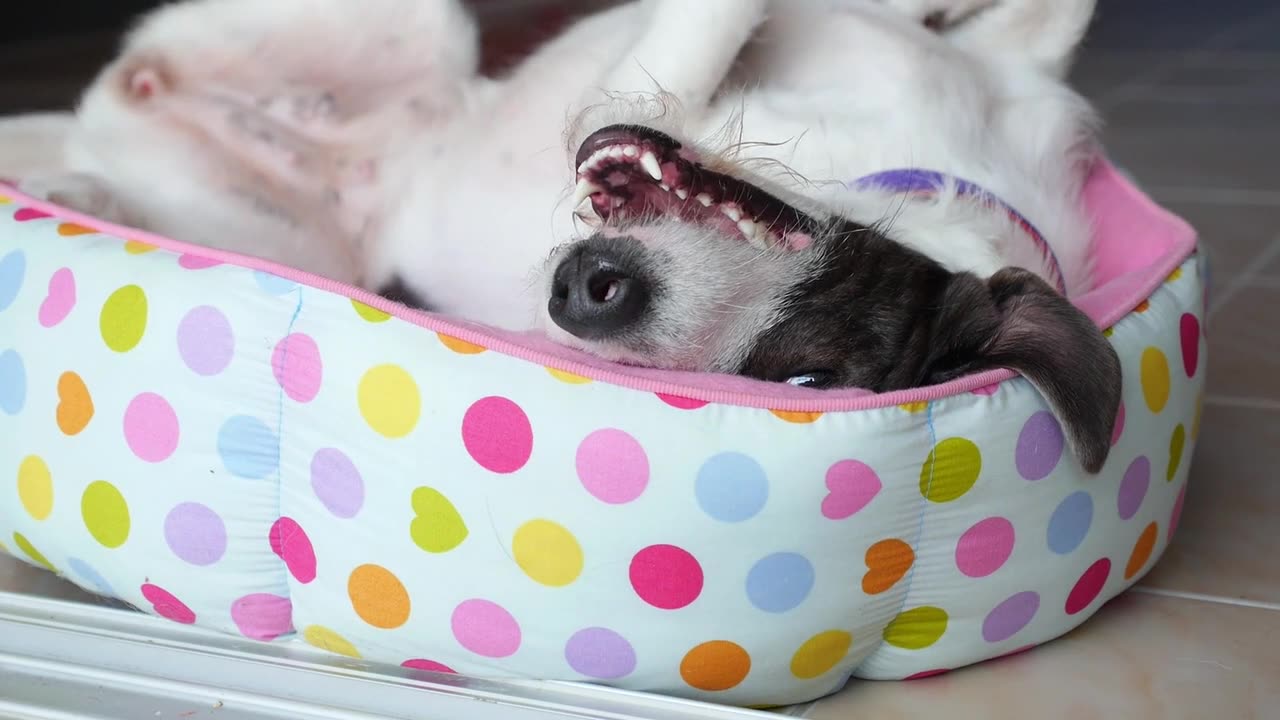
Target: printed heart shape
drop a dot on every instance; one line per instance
(853, 485)
(72, 229)
(60, 299)
(437, 526)
(27, 214)
(75, 405)
(887, 562)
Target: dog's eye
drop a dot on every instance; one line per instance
(812, 379)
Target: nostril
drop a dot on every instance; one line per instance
(605, 286)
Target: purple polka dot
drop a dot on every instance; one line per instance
(205, 341)
(337, 483)
(1133, 487)
(262, 616)
(195, 534)
(600, 653)
(1039, 446)
(1010, 616)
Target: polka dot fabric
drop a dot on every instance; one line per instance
(226, 447)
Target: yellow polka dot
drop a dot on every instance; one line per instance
(915, 407)
(5, 200)
(437, 526)
(1175, 275)
(1154, 370)
(820, 653)
(27, 548)
(715, 666)
(105, 513)
(568, 377)
(326, 639)
(389, 401)
(378, 597)
(951, 470)
(1176, 443)
(1109, 332)
(1195, 420)
(462, 347)
(917, 628)
(134, 247)
(124, 318)
(548, 553)
(370, 313)
(35, 487)
(796, 416)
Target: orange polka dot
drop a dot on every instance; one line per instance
(462, 347)
(378, 597)
(797, 417)
(1143, 306)
(70, 229)
(1141, 552)
(887, 562)
(715, 666)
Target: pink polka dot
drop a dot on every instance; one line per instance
(262, 616)
(985, 547)
(1176, 515)
(151, 428)
(166, 605)
(682, 403)
(612, 466)
(290, 542)
(1189, 328)
(427, 666)
(486, 628)
(1088, 586)
(987, 390)
(666, 576)
(1119, 427)
(497, 434)
(853, 485)
(926, 674)
(297, 367)
(196, 262)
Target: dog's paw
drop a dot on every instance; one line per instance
(76, 191)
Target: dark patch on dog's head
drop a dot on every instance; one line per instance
(397, 291)
(881, 316)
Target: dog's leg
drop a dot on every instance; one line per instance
(687, 48)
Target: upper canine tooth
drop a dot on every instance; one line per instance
(682, 193)
(584, 190)
(649, 162)
(705, 199)
(732, 212)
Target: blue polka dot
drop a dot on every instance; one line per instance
(13, 383)
(273, 284)
(12, 269)
(90, 577)
(1070, 522)
(248, 447)
(780, 582)
(731, 487)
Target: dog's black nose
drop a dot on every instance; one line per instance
(595, 292)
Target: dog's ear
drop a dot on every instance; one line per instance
(34, 145)
(1018, 321)
(1044, 32)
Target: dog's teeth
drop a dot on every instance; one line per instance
(665, 187)
(731, 212)
(753, 233)
(585, 189)
(631, 151)
(615, 152)
(649, 162)
(619, 202)
(682, 193)
(586, 212)
(705, 199)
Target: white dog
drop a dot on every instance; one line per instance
(824, 192)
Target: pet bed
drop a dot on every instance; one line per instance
(248, 448)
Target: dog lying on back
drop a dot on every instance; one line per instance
(829, 193)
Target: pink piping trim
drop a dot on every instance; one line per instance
(823, 401)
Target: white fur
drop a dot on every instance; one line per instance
(356, 139)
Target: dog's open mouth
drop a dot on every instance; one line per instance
(629, 173)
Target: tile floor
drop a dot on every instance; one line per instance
(1191, 92)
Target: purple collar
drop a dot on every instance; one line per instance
(913, 181)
